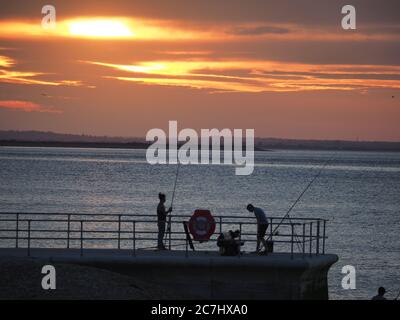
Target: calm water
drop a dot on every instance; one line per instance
(359, 192)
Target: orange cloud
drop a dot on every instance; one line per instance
(257, 76)
(6, 62)
(19, 77)
(28, 77)
(26, 106)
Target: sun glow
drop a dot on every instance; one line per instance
(105, 28)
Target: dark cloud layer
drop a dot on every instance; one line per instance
(256, 31)
(307, 12)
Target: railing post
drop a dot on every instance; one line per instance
(323, 238)
(304, 239)
(310, 238)
(240, 239)
(187, 249)
(170, 232)
(291, 242)
(29, 238)
(17, 231)
(220, 224)
(318, 225)
(81, 238)
(134, 238)
(68, 230)
(271, 231)
(119, 231)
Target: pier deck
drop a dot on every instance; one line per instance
(166, 255)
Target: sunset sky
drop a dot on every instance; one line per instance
(120, 68)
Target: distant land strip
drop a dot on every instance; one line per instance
(76, 144)
(51, 139)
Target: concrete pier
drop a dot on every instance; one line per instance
(206, 275)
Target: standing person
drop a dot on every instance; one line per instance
(161, 220)
(381, 293)
(262, 226)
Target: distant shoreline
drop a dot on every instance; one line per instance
(72, 144)
(300, 145)
(66, 144)
(31, 138)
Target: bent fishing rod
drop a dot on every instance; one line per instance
(299, 198)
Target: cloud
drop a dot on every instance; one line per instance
(128, 28)
(187, 53)
(309, 12)
(29, 77)
(26, 106)
(258, 30)
(253, 76)
(20, 77)
(6, 62)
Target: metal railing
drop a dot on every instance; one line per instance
(134, 232)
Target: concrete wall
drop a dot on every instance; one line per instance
(256, 277)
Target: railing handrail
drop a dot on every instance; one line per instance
(126, 221)
(149, 215)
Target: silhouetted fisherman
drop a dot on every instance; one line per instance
(381, 293)
(161, 220)
(262, 226)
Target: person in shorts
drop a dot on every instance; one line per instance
(262, 226)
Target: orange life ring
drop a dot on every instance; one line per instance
(202, 225)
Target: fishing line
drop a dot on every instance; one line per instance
(176, 180)
(297, 201)
(173, 197)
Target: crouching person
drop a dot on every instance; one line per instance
(229, 244)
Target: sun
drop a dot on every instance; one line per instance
(99, 28)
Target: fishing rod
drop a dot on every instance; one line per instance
(299, 198)
(173, 197)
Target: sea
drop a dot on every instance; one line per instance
(358, 192)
